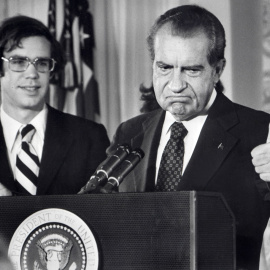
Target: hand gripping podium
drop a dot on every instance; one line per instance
(159, 230)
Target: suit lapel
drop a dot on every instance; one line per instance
(214, 144)
(6, 175)
(56, 145)
(148, 141)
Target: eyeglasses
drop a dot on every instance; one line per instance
(20, 64)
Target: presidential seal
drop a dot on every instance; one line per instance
(53, 239)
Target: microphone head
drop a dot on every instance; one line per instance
(125, 147)
(139, 152)
(106, 167)
(123, 170)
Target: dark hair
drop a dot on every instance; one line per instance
(188, 20)
(14, 29)
(149, 99)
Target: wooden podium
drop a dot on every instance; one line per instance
(159, 230)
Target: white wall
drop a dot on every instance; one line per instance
(247, 52)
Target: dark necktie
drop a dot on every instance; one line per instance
(171, 165)
(27, 164)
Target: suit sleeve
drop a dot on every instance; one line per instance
(116, 140)
(98, 147)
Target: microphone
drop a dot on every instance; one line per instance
(105, 168)
(123, 170)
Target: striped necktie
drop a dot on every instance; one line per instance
(171, 165)
(27, 164)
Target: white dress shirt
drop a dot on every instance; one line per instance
(11, 129)
(193, 126)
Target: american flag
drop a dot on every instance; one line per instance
(78, 92)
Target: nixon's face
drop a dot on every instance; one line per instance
(182, 77)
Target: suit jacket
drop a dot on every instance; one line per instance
(221, 162)
(73, 148)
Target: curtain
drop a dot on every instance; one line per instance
(266, 56)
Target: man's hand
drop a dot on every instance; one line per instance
(261, 159)
(4, 191)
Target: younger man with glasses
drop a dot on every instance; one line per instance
(42, 150)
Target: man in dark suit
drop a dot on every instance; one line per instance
(187, 48)
(42, 150)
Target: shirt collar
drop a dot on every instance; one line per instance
(11, 126)
(39, 122)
